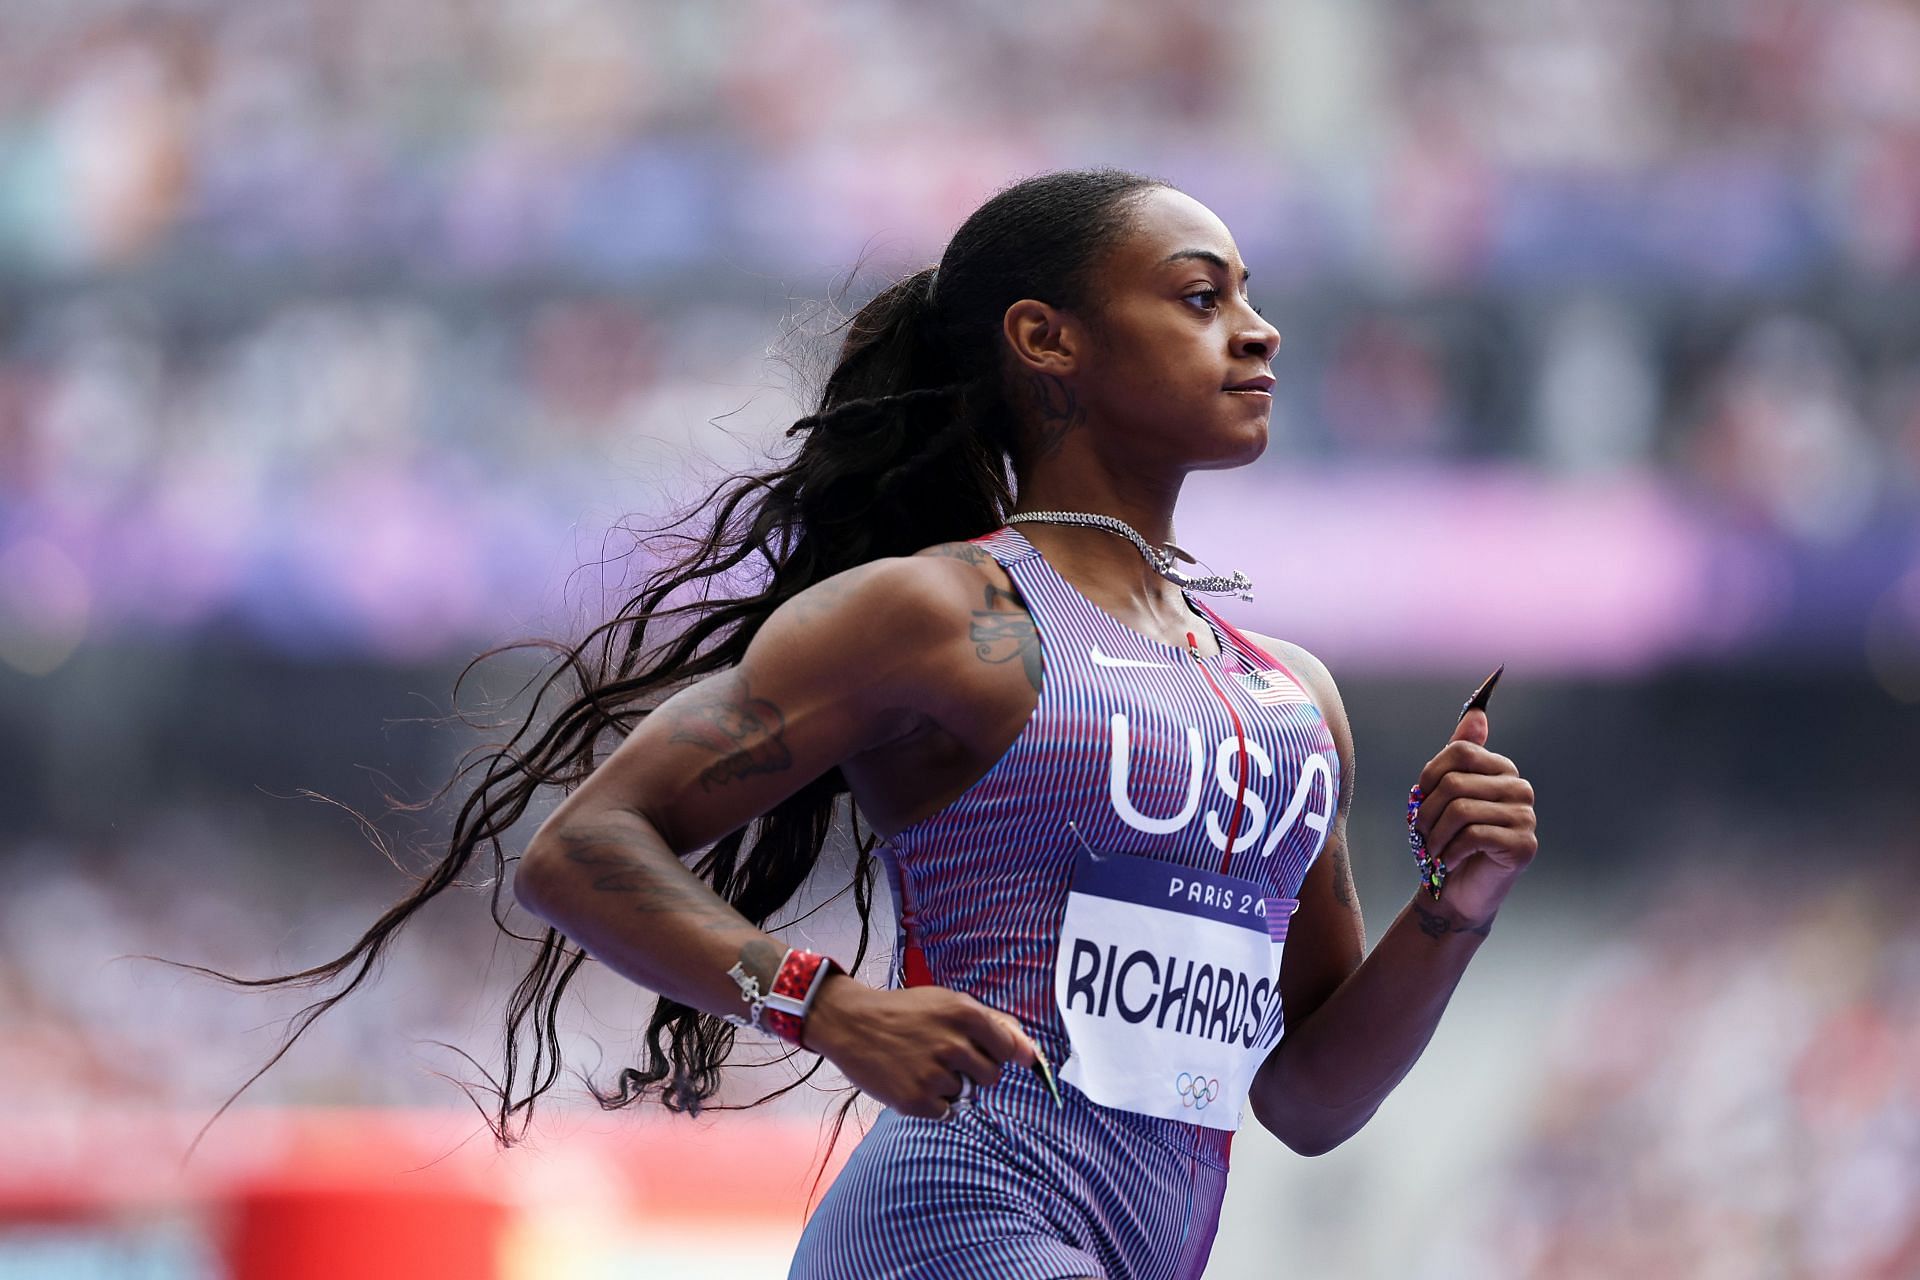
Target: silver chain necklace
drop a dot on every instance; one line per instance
(1212, 584)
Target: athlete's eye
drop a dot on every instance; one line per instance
(1209, 300)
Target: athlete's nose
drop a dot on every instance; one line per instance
(1258, 339)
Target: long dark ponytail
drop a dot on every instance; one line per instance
(913, 443)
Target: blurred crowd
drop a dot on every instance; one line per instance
(1730, 1089)
(1733, 1090)
(351, 327)
(350, 330)
(1737, 139)
(378, 475)
(93, 1016)
(358, 475)
(89, 1018)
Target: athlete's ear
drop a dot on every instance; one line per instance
(1042, 338)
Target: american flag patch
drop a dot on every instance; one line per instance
(1271, 688)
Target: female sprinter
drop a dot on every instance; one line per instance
(1115, 825)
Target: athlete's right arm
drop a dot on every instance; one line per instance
(845, 667)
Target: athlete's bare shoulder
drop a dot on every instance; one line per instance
(1298, 659)
(972, 685)
(981, 566)
(1311, 673)
(897, 628)
(917, 598)
(928, 595)
(1000, 629)
(965, 552)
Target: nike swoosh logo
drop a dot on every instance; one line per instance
(1102, 660)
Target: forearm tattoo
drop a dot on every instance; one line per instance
(1343, 887)
(1005, 634)
(650, 889)
(724, 717)
(1435, 925)
(629, 873)
(762, 959)
(1343, 892)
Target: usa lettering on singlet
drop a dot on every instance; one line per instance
(1079, 884)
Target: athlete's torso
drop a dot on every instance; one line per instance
(1133, 746)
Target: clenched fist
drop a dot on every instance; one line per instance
(910, 1047)
(1476, 816)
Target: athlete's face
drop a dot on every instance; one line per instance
(1175, 343)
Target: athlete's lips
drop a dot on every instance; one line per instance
(1263, 383)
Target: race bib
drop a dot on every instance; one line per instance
(1167, 978)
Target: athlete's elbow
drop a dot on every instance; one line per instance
(578, 849)
(542, 880)
(536, 876)
(1285, 1125)
(1303, 1136)
(1306, 1129)
(1314, 1142)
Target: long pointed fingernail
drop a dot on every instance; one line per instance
(1044, 1070)
(1480, 695)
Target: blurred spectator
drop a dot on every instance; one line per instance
(1780, 432)
(88, 1017)
(1729, 1090)
(1730, 1093)
(353, 327)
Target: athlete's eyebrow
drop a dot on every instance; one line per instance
(1205, 255)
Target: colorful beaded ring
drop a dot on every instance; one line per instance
(1433, 872)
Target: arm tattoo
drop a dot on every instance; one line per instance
(1343, 889)
(1000, 635)
(608, 850)
(1055, 410)
(724, 717)
(962, 551)
(762, 960)
(1342, 875)
(1436, 926)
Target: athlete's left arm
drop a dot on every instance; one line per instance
(1355, 1026)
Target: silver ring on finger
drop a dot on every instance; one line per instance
(960, 1101)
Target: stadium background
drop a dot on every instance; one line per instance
(340, 340)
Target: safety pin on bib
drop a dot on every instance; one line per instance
(1092, 852)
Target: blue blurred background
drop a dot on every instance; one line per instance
(340, 340)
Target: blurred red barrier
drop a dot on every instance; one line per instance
(305, 1194)
(300, 1230)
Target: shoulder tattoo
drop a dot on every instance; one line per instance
(1003, 631)
(964, 551)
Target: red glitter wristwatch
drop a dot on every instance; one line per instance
(783, 1010)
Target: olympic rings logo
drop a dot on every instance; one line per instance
(1196, 1091)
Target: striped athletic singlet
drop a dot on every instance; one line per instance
(1137, 744)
